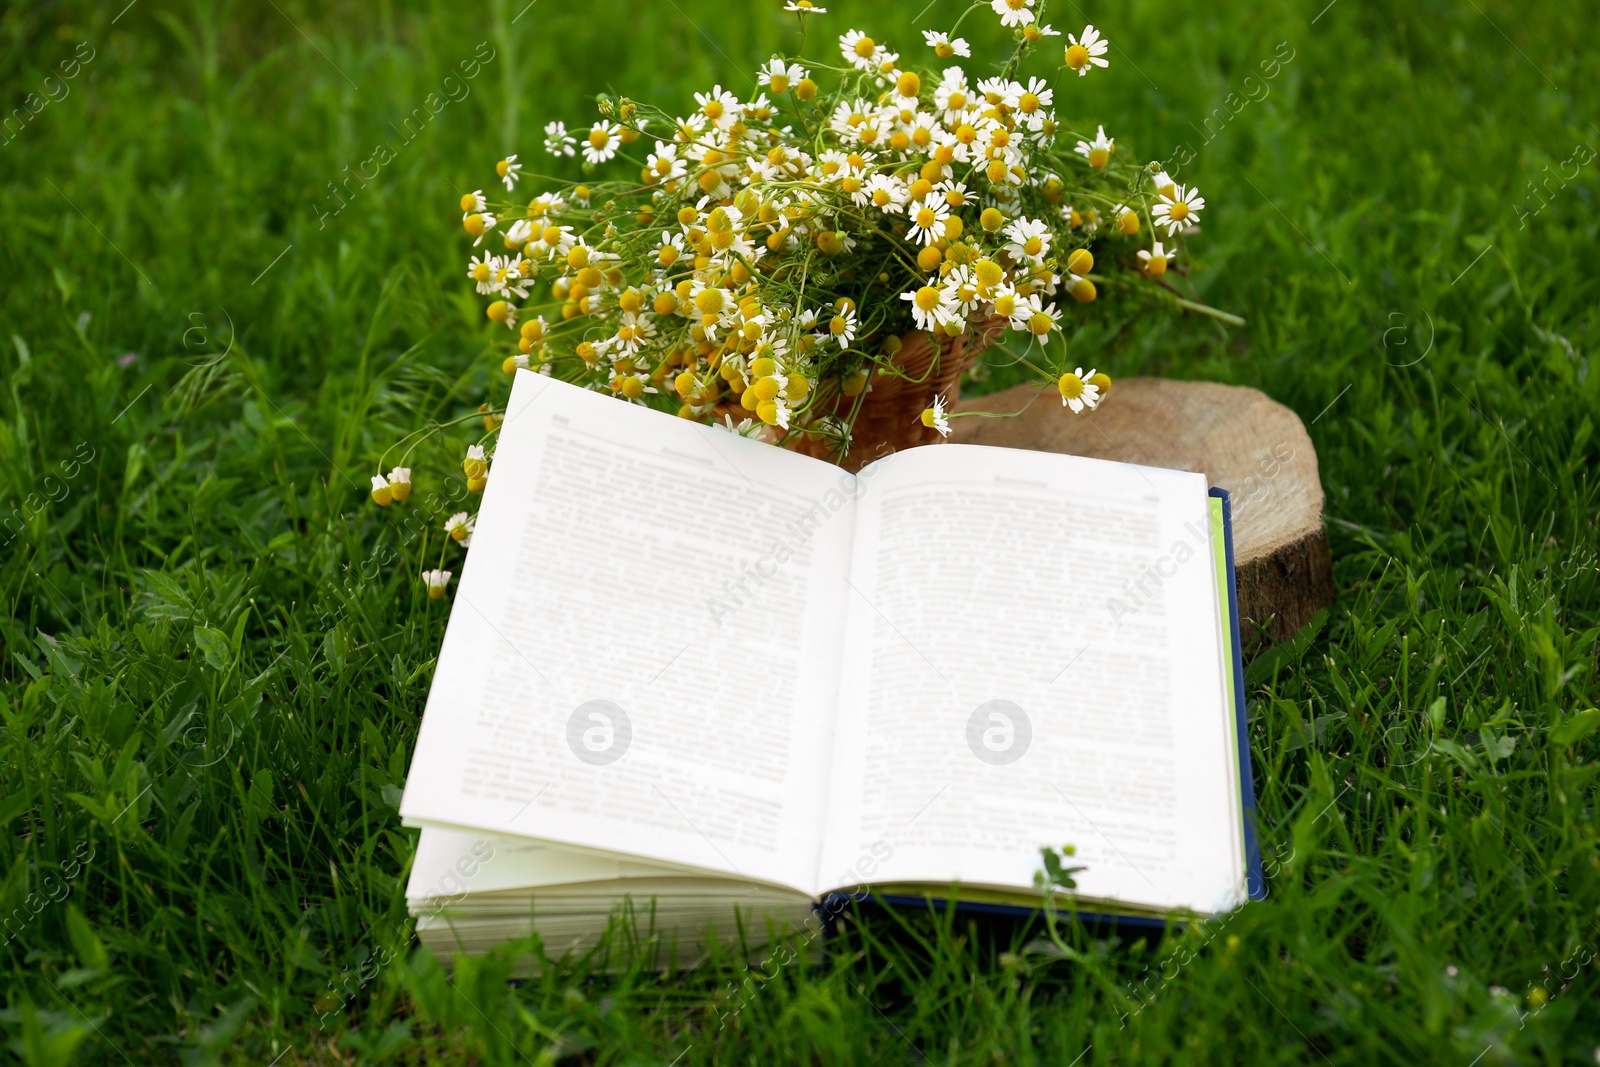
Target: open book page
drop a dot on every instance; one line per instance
(1033, 657)
(642, 651)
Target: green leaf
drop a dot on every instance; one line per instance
(1576, 727)
(91, 952)
(214, 645)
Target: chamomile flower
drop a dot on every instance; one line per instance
(944, 46)
(1179, 208)
(459, 528)
(1163, 184)
(953, 96)
(1013, 12)
(557, 141)
(720, 107)
(1042, 318)
(1030, 240)
(861, 51)
(886, 193)
(1031, 101)
(382, 491)
(509, 170)
(518, 233)
(743, 428)
(805, 7)
(1077, 391)
(1156, 258)
(1038, 32)
(1098, 151)
(481, 270)
(1085, 52)
(552, 242)
(935, 418)
(602, 142)
(928, 221)
(664, 164)
(778, 76)
(436, 581)
(400, 482)
(842, 327)
(474, 203)
(961, 292)
(930, 305)
(476, 465)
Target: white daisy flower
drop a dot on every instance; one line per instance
(743, 428)
(1164, 185)
(1041, 32)
(805, 7)
(1008, 305)
(935, 418)
(720, 107)
(557, 141)
(944, 46)
(509, 170)
(1098, 151)
(1084, 52)
(1030, 240)
(664, 164)
(1032, 101)
(952, 96)
(961, 292)
(382, 491)
(459, 527)
(928, 221)
(778, 76)
(842, 327)
(1156, 258)
(886, 192)
(1077, 392)
(553, 242)
(518, 233)
(474, 204)
(400, 482)
(929, 304)
(860, 51)
(436, 582)
(1013, 12)
(481, 270)
(602, 142)
(1179, 209)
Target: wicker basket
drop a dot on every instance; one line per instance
(890, 417)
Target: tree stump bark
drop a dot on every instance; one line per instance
(1252, 446)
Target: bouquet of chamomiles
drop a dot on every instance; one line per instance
(760, 263)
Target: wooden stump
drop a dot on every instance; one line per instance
(1252, 446)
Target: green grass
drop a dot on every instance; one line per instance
(215, 656)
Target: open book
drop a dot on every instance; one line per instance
(720, 681)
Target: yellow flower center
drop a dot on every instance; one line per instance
(713, 109)
(709, 301)
(880, 197)
(926, 217)
(927, 298)
(1098, 157)
(1039, 324)
(1077, 56)
(599, 138)
(502, 168)
(1005, 305)
(480, 272)
(1033, 246)
(909, 84)
(1178, 211)
(957, 101)
(865, 47)
(779, 83)
(838, 325)
(1071, 386)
